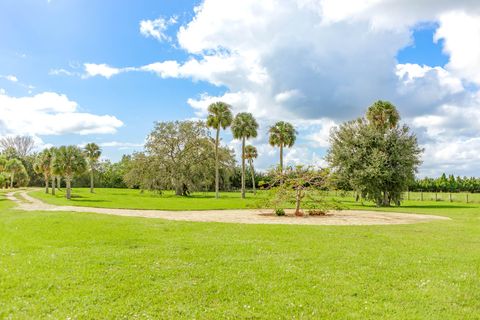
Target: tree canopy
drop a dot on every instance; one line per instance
(377, 158)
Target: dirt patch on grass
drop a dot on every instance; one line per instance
(344, 217)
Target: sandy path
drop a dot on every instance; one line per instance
(346, 217)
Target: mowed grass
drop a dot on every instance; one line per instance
(91, 266)
(134, 199)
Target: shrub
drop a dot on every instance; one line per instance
(280, 212)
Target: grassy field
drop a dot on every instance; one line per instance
(134, 199)
(78, 266)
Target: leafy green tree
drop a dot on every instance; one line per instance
(377, 157)
(244, 127)
(219, 117)
(181, 156)
(68, 162)
(282, 134)
(250, 154)
(55, 176)
(14, 167)
(43, 165)
(92, 153)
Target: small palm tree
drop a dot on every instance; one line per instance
(282, 134)
(244, 127)
(220, 117)
(250, 154)
(13, 167)
(92, 153)
(383, 115)
(43, 165)
(68, 162)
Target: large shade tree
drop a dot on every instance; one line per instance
(92, 153)
(219, 117)
(282, 134)
(244, 127)
(251, 154)
(375, 155)
(43, 165)
(68, 162)
(179, 155)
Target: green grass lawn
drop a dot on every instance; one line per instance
(134, 199)
(91, 266)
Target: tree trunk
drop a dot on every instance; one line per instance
(69, 188)
(217, 177)
(59, 182)
(53, 185)
(243, 168)
(298, 200)
(46, 185)
(91, 179)
(11, 180)
(253, 176)
(281, 158)
(386, 200)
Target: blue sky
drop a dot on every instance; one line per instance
(90, 67)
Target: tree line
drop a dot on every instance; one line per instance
(446, 183)
(374, 155)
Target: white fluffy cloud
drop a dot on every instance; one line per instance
(156, 28)
(318, 62)
(50, 113)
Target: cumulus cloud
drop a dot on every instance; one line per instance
(319, 62)
(156, 28)
(50, 113)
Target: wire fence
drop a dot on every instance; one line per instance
(465, 197)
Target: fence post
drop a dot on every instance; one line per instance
(450, 196)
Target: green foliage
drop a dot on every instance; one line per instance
(219, 115)
(280, 212)
(383, 115)
(244, 126)
(282, 134)
(376, 158)
(68, 162)
(179, 156)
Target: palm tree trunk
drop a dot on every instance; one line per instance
(91, 179)
(253, 176)
(243, 168)
(46, 184)
(53, 185)
(11, 180)
(217, 177)
(69, 188)
(59, 182)
(281, 158)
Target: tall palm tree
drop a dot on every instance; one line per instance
(244, 126)
(13, 166)
(250, 154)
(92, 153)
(282, 134)
(69, 161)
(219, 117)
(43, 165)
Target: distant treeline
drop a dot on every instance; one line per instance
(446, 183)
